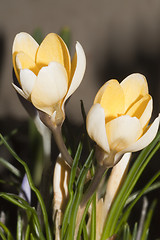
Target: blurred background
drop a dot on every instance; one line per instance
(119, 37)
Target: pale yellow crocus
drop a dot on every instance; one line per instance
(60, 193)
(118, 120)
(46, 75)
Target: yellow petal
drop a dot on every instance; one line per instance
(50, 87)
(142, 110)
(100, 93)
(23, 61)
(53, 49)
(135, 87)
(23, 42)
(111, 98)
(122, 132)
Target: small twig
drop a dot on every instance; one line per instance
(142, 219)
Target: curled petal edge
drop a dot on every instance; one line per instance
(96, 126)
(27, 79)
(143, 142)
(79, 71)
(20, 91)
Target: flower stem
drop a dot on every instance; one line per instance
(104, 163)
(57, 133)
(93, 186)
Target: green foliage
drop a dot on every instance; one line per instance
(133, 176)
(117, 221)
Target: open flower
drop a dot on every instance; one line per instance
(45, 72)
(118, 120)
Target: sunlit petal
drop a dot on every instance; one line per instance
(111, 99)
(27, 79)
(23, 61)
(134, 87)
(96, 126)
(144, 141)
(53, 49)
(77, 70)
(122, 132)
(50, 87)
(115, 180)
(142, 110)
(23, 42)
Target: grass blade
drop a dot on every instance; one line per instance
(77, 196)
(134, 174)
(47, 228)
(148, 220)
(127, 212)
(93, 218)
(70, 189)
(10, 167)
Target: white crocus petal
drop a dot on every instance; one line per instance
(60, 183)
(79, 70)
(145, 117)
(50, 87)
(144, 141)
(114, 182)
(96, 126)
(122, 132)
(134, 87)
(27, 79)
(20, 91)
(25, 43)
(25, 191)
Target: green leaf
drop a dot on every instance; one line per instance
(126, 232)
(13, 132)
(77, 196)
(148, 220)
(18, 201)
(134, 174)
(27, 233)
(6, 230)
(40, 199)
(10, 167)
(71, 189)
(154, 186)
(2, 235)
(127, 212)
(82, 223)
(19, 226)
(134, 235)
(85, 235)
(93, 218)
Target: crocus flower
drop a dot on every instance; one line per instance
(60, 184)
(118, 120)
(46, 75)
